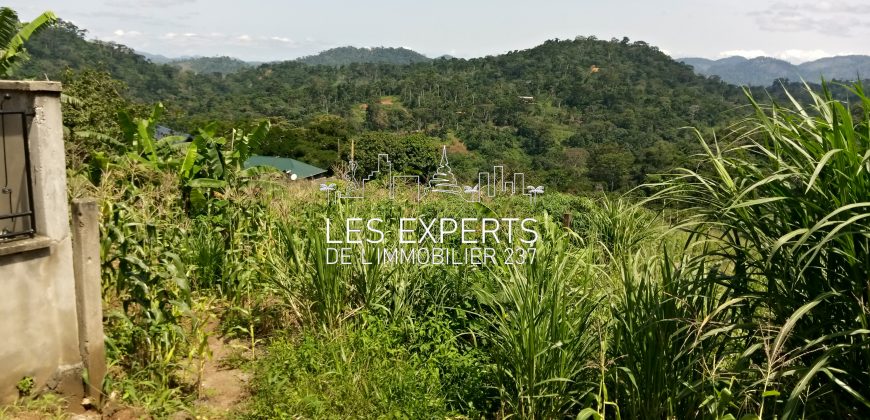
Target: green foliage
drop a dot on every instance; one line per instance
(169, 230)
(343, 56)
(25, 386)
(412, 154)
(91, 118)
(318, 141)
(661, 368)
(210, 65)
(611, 164)
(13, 35)
(62, 45)
(785, 207)
(145, 279)
(619, 227)
(352, 372)
(46, 406)
(761, 313)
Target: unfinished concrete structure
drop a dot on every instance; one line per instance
(50, 323)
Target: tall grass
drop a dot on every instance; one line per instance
(669, 340)
(786, 206)
(619, 226)
(537, 323)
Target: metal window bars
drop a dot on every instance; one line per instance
(16, 186)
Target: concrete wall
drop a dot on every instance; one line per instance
(39, 335)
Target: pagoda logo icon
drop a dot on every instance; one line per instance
(444, 181)
(489, 184)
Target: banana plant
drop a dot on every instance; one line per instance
(203, 163)
(13, 35)
(213, 162)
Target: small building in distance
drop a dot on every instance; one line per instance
(289, 166)
(162, 131)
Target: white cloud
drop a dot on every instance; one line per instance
(799, 56)
(120, 33)
(185, 42)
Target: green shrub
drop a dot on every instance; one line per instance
(357, 371)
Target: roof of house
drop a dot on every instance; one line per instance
(301, 169)
(162, 131)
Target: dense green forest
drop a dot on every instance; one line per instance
(343, 56)
(578, 114)
(208, 65)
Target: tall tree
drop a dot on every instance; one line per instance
(611, 163)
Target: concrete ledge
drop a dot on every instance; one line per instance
(24, 245)
(30, 86)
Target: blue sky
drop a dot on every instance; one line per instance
(277, 30)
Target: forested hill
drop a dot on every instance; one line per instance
(222, 65)
(577, 114)
(343, 56)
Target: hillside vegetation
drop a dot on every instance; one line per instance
(745, 299)
(208, 65)
(343, 56)
(577, 114)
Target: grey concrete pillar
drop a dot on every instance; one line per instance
(38, 311)
(89, 301)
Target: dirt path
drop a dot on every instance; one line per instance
(223, 387)
(223, 391)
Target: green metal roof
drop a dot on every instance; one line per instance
(301, 169)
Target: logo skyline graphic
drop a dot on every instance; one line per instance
(442, 181)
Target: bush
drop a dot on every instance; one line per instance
(357, 371)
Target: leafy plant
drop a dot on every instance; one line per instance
(13, 35)
(25, 386)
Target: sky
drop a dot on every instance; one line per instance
(260, 30)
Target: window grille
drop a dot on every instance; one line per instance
(16, 187)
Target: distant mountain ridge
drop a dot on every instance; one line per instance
(762, 71)
(208, 65)
(343, 56)
(340, 56)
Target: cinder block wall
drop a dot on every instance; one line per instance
(38, 324)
